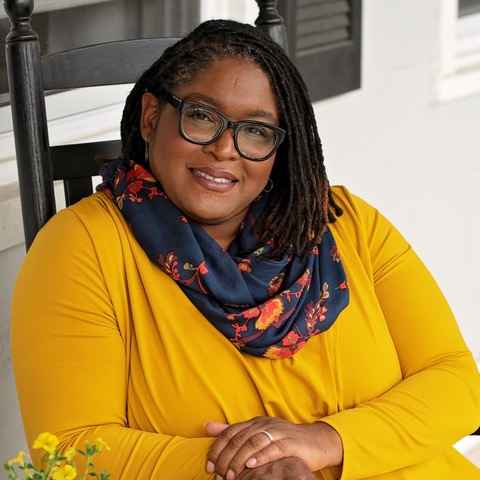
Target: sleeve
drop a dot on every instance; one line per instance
(70, 363)
(438, 400)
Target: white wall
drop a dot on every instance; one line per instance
(391, 142)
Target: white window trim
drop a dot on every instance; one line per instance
(75, 116)
(460, 53)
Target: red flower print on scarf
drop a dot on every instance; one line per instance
(304, 280)
(138, 179)
(169, 264)
(325, 293)
(245, 265)
(315, 312)
(251, 313)
(275, 284)
(239, 329)
(291, 343)
(197, 273)
(270, 313)
(302, 283)
(137, 172)
(154, 192)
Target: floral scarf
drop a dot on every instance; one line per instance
(265, 307)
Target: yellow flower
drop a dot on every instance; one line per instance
(101, 444)
(66, 472)
(70, 453)
(18, 460)
(47, 441)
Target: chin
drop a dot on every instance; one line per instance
(208, 218)
(211, 214)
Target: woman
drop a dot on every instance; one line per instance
(218, 309)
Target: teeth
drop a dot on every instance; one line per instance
(199, 173)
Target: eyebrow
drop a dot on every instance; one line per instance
(212, 101)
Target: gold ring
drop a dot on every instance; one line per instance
(267, 434)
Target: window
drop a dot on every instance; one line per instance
(460, 49)
(325, 43)
(66, 24)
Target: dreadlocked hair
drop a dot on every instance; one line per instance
(302, 203)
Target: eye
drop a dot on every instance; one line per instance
(200, 115)
(256, 131)
(259, 131)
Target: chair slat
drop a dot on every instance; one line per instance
(76, 189)
(102, 64)
(82, 159)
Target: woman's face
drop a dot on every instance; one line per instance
(240, 90)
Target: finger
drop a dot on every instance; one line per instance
(231, 449)
(223, 438)
(252, 445)
(215, 428)
(274, 451)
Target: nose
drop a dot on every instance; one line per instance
(223, 148)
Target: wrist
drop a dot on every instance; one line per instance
(330, 444)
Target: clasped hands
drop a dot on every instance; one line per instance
(271, 448)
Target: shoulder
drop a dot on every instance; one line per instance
(358, 217)
(87, 227)
(363, 228)
(352, 204)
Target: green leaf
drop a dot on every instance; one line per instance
(91, 449)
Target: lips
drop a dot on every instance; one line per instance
(219, 181)
(214, 173)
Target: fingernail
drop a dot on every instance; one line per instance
(218, 477)
(251, 462)
(230, 475)
(210, 467)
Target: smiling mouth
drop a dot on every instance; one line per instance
(210, 182)
(199, 173)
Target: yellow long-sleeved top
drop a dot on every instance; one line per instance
(105, 344)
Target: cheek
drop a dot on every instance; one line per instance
(170, 154)
(258, 174)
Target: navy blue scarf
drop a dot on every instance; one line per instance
(265, 307)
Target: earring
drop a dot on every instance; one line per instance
(269, 186)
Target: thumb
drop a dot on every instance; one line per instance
(215, 428)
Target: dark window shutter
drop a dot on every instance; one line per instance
(468, 7)
(325, 43)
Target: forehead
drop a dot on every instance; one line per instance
(236, 85)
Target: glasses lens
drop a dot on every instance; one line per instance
(199, 124)
(256, 140)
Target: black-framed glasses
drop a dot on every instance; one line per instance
(202, 125)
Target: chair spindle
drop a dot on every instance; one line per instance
(29, 118)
